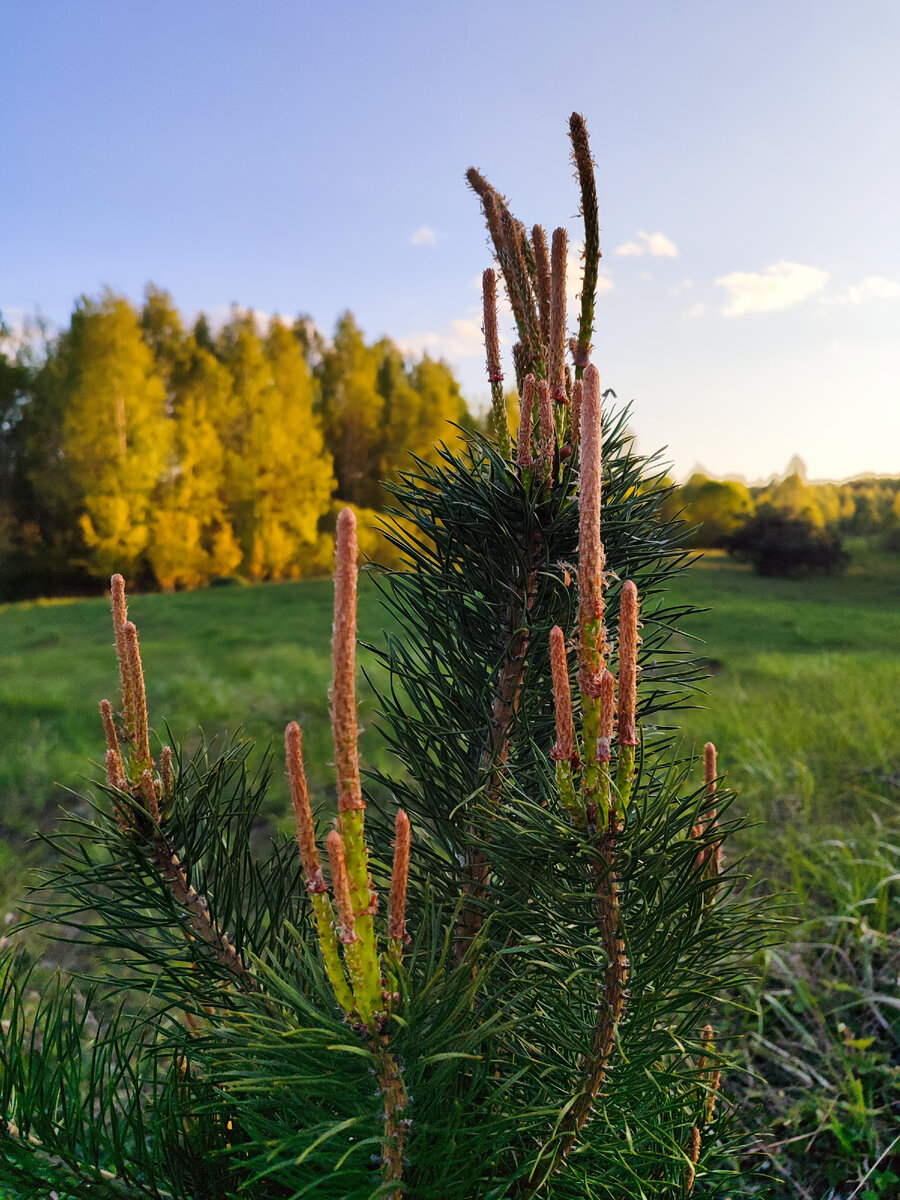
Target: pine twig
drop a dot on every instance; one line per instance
(584, 164)
(167, 863)
(494, 366)
(142, 822)
(351, 805)
(394, 1103)
(513, 253)
(542, 268)
(557, 360)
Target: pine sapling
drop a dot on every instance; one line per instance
(533, 1013)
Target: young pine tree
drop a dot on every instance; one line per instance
(502, 977)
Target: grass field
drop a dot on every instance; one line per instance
(216, 660)
(803, 700)
(802, 703)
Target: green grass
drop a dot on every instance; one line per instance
(248, 657)
(802, 703)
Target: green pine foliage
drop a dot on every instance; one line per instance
(550, 1009)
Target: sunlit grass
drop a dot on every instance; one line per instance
(222, 659)
(803, 700)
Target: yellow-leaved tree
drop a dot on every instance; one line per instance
(191, 537)
(116, 437)
(279, 477)
(378, 410)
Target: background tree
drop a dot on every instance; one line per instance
(193, 538)
(14, 381)
(353, 413)
(377, 411)
(794, 498)
(440, 407)
(116, 439)
(713, 508)
(164, 333)
(278, 478)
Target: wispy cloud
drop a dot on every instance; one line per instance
(873, 287)
(424, 236)
(461, 339)
(656, 245)
(780, 286)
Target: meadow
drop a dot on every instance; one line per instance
(801, 701)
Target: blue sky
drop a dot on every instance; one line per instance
(299, 157)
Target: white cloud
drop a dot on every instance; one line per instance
(424, 236)
(874, 287)
(657, 245)
(461, 339)
(696, 310)
(779, 286)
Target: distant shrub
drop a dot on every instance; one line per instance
(892, 540)
(225, 581)
(788, 546)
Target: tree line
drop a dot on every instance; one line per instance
(178, 455)
(717, 509)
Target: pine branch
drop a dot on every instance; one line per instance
(168, 864)
(551, 952)
(611, 1006)
(138, 808)
(55, 1170)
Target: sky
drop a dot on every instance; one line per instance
(309, 158)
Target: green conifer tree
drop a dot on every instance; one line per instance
(538, 1007)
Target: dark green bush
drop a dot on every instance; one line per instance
(788, 546)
